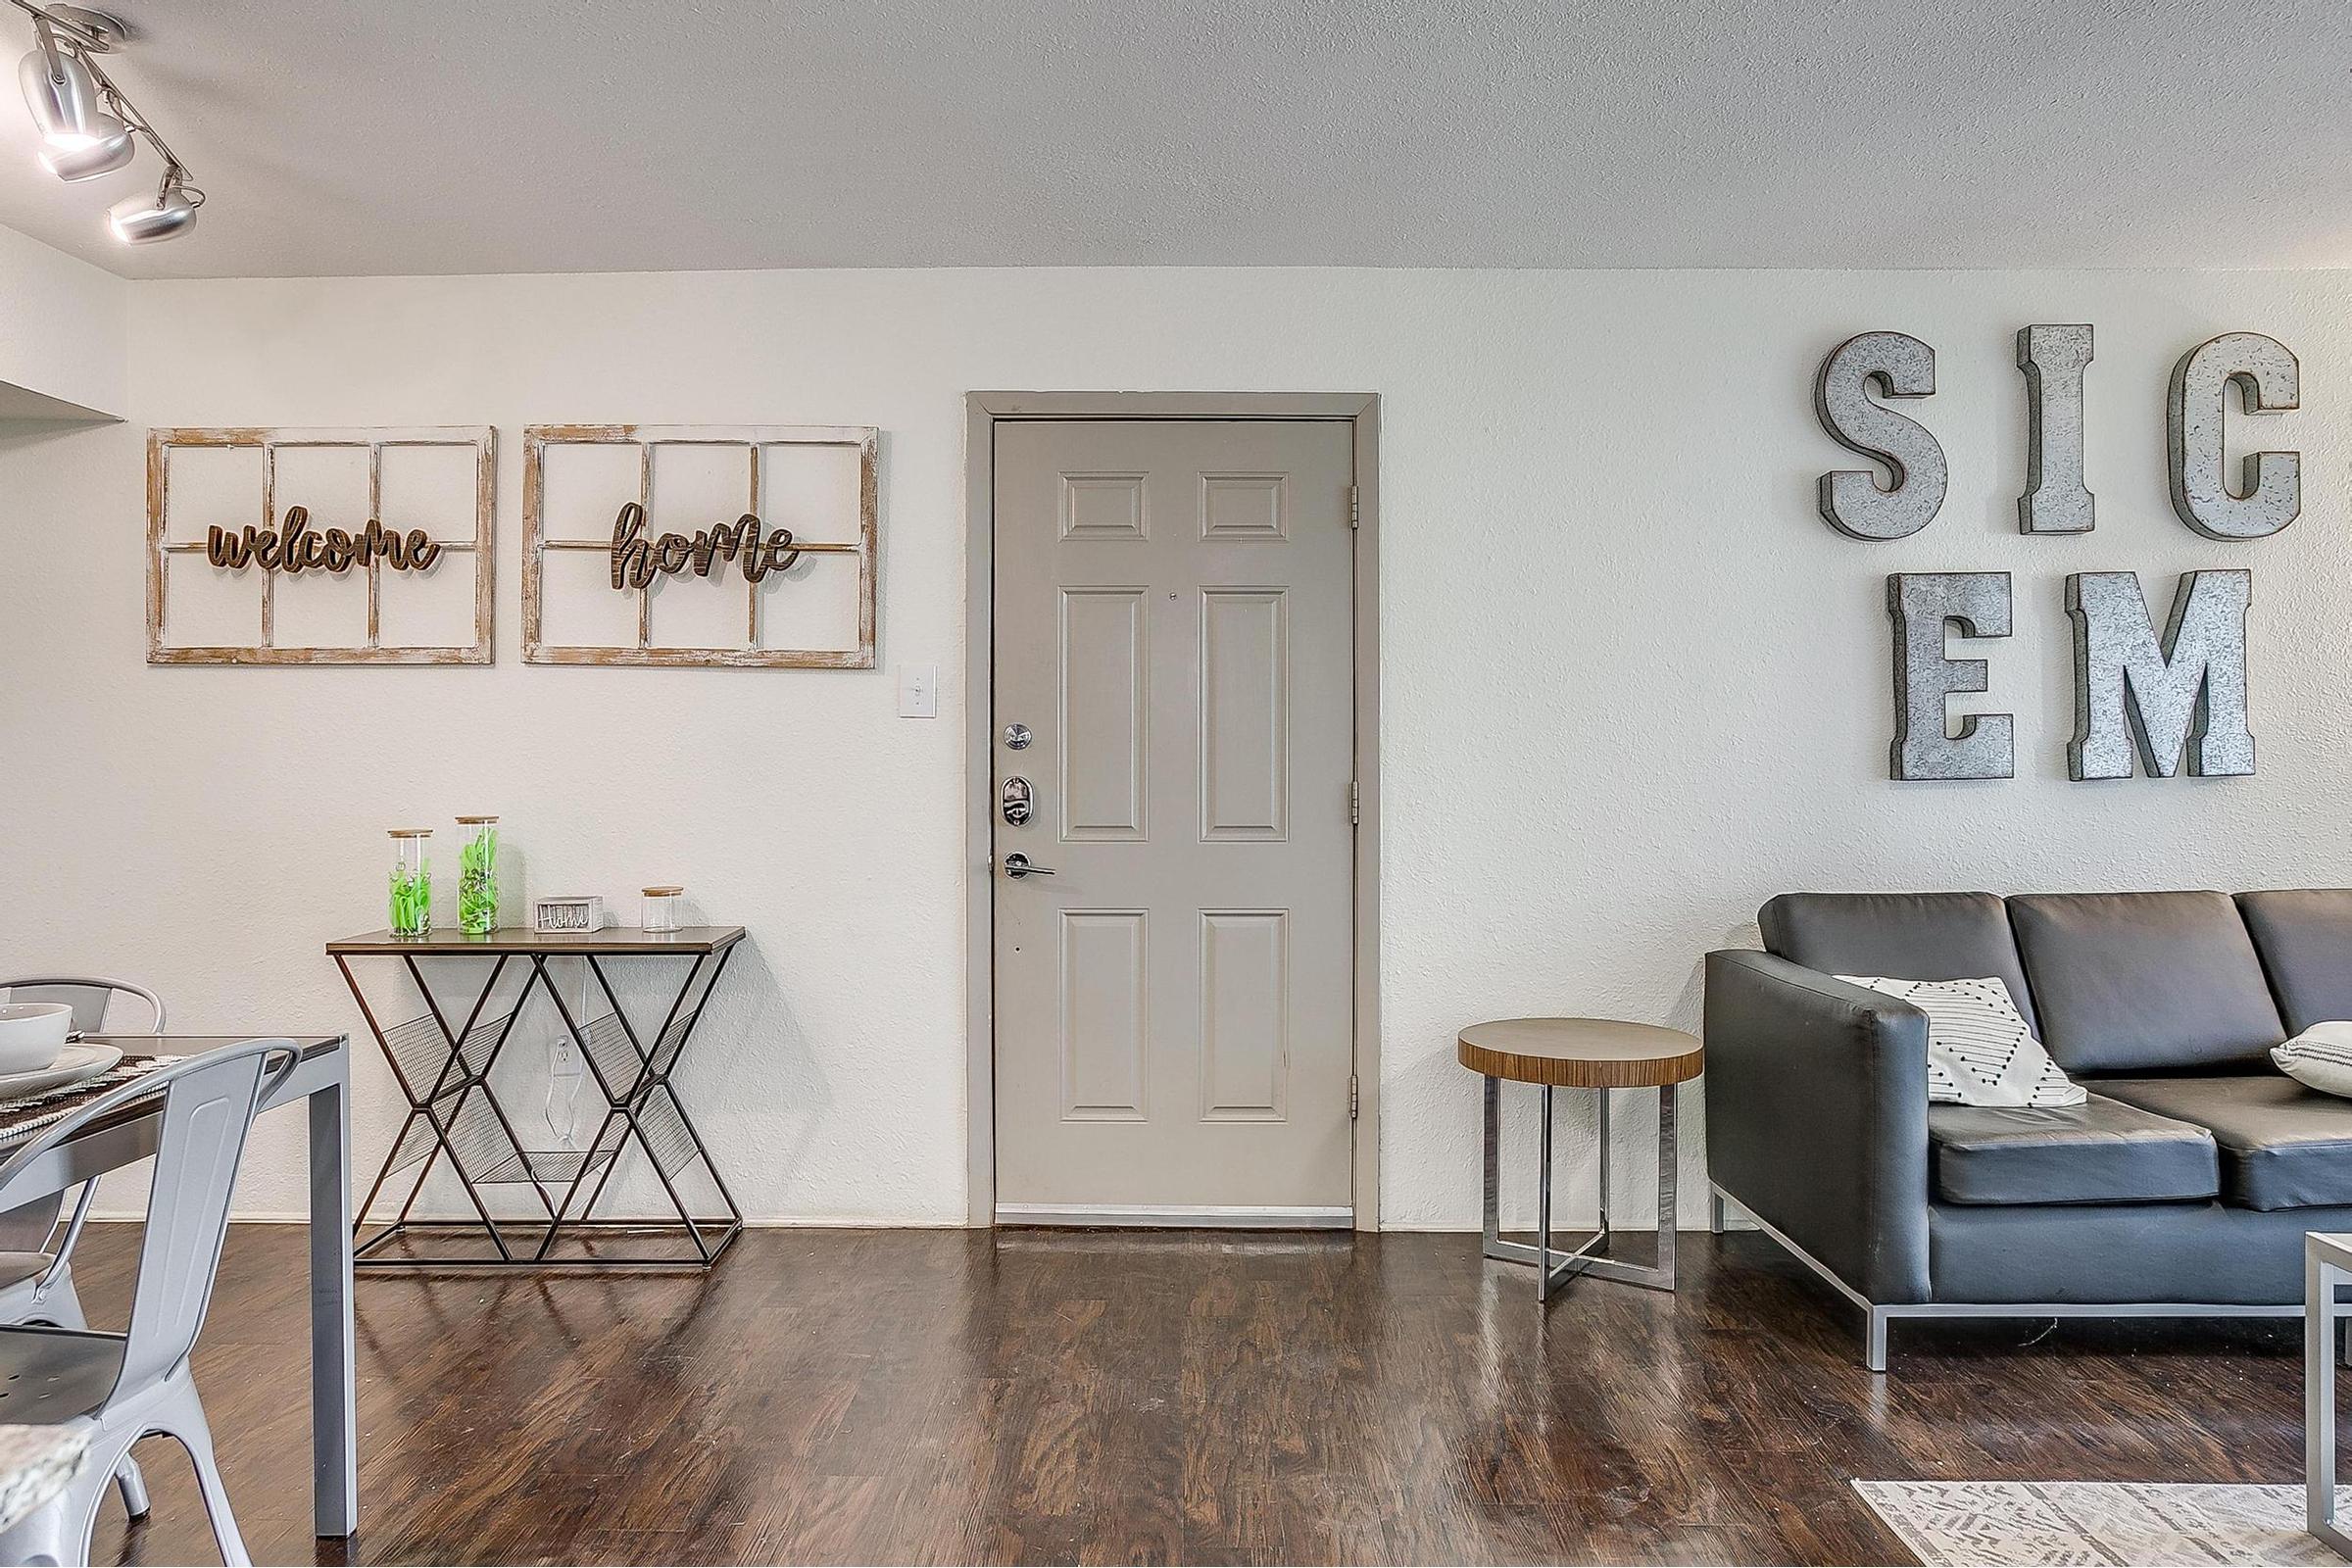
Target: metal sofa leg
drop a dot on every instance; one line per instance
(1716, 1215)
(1874, 1349)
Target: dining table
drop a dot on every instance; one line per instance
(320, 1081)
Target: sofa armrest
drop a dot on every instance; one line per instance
(1817, 1116)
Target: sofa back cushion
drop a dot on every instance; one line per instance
(2145, 982)
(1901, 936)
(2305, 939)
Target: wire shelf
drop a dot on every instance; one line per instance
(609, 1049)
(674, 1040)
(414, 1145)
(547, 1167)
(665, 1133)
(420, 1050)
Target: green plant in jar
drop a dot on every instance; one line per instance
(477, 876)
(411, 883)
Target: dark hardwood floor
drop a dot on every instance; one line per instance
(929, 1397)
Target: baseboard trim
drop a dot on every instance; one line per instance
(1169, 1216)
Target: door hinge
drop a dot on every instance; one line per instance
(1356, 802)
(1355, 515)
(1351, 1100)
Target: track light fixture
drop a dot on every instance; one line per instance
(88, 127)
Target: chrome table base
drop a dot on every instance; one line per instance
(2326, 1269)
(1590, 1258)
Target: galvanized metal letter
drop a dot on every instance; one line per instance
(1922, 604)
(2186, 697)
(1852, 500)
(2056, 500)
(2268, 379)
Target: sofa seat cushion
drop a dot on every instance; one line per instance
(2100, 1151)
(2282, 1146)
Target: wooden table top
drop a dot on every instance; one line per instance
(1582, 1052)
(523, 940)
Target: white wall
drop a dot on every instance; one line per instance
(61, 332)
(1634, 684)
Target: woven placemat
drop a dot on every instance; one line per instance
(20, 1119)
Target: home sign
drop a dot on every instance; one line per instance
(744, 545)
(637, 559)
(2163, 702)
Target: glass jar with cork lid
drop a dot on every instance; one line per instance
(661, 909)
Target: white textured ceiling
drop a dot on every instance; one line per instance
(395, 136)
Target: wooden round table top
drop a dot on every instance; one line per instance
(1582, 1052)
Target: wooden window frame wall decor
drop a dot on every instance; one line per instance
(480, 544)
(537, 438)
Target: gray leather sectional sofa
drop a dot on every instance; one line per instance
(2183, 1188)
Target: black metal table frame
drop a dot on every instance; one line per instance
(625, 1110)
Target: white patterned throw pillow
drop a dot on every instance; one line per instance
(1980, 1052)
(2319, 1057)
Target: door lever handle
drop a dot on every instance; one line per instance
(1016, 867)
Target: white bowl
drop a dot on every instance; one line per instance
(32, 1034)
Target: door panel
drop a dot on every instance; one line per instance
(1105, 711)
(1175, 613)
(1244, 1004)
(1244, 713)
(1103, 1022)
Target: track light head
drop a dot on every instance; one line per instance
(108, 148)
(88, 126)
(61, 92)
(169, 213)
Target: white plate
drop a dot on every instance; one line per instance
(71, 1067)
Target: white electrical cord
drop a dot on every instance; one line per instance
(567, 1131)
(562, 1048)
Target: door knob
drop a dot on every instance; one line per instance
(1017, 866)
(1016, 802)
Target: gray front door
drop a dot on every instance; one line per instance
(1175, 613)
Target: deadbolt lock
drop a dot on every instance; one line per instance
(1016, 802)
(1017, 737)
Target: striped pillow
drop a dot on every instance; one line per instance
(2319, 1057)
(1980, 1052)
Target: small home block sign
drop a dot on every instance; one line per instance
(360, 546)
(749, 546)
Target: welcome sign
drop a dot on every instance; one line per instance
(353, 546)
(296, 546)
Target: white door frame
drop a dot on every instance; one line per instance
(983, 411)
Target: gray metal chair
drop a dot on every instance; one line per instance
(90, 998)
(128, 1385)
(25, 1233)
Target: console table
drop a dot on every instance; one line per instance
(455, 1114)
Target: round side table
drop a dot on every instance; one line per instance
(1599, 1054)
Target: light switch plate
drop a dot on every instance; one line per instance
(918, 691)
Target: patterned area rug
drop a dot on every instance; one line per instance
(2096, 1522)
